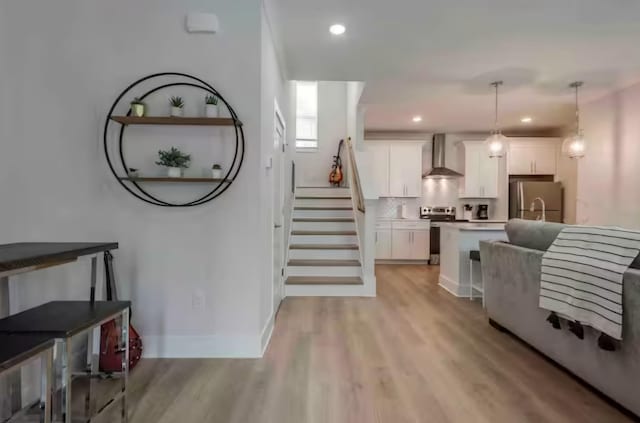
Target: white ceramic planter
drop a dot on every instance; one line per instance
(216, 173)
(211, 110)
(177, 111)
(174, 172)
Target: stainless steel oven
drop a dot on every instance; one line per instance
(437, 215)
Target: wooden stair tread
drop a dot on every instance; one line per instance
(322, 208)
(324, 262)
(348, 233)
(323, 219)
(323, 280)
(323, 247)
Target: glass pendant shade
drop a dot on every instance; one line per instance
(496, 145)
(574, 146)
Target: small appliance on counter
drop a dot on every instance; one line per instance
(402, 211)
(483, 212)
(467, 213)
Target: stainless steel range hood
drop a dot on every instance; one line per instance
(438, 168)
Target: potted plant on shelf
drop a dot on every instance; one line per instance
(211, 106)
(177, 106)
(138, 107)
(174, 160)
(216, 171)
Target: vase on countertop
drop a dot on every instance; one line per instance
(177, 111)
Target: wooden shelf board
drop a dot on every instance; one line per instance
(168, 120)
(167, 179)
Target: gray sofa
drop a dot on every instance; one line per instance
(511, 277)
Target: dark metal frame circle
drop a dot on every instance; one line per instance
(238, 156)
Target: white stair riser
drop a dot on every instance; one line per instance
(324, 239)
(323, 203)
(324, 254)
(324, 271)
(323, 214)
(323, 192)
(324, 226)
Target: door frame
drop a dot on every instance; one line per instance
(278, 291)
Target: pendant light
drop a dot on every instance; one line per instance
(574, 145)
(496, 144)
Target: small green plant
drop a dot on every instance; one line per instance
(216, 167)
(173, 158)
(137, 101)
(211, 100)
(177, 102)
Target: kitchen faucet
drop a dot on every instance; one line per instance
(544, 208)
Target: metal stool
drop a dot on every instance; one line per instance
(17, 351)
(474, 255)
(64, 321)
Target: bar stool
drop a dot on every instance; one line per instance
(17, 351)
(474, 255)
(64, 321)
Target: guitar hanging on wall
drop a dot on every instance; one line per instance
(336, 176)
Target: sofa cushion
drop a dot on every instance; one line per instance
(538, 235)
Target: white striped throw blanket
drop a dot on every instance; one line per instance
(582, 272)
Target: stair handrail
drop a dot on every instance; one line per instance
(354, 177)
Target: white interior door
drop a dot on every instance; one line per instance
(278, 208)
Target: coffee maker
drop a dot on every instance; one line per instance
(483, 212)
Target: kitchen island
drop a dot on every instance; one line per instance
(456, 241)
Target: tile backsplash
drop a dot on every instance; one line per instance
(388, 208)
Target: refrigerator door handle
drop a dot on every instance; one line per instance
(521, 195)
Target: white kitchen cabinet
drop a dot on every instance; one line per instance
(420, 245)
(401, 244)
(530, 156)
(405, 170)
(403, 240)
(397, 168)
(380, 154)
(383, 244)
(480, 172)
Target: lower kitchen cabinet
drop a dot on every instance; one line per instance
(403, 240)
(383, 244)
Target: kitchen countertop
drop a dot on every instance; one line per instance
(474, 226)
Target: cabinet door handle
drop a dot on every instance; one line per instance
(376, 237)
(535, 167)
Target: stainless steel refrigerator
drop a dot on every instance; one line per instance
(527, 198)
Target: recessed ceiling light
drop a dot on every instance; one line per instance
(417, 119)
(526, 119)
(337, 29)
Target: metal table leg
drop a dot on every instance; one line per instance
(11, 387)
(124, 338)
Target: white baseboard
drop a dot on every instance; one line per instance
(449, 285)
(211, 346)
(267, 331)
(393, 261)
(329, 291)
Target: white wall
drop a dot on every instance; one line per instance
(273, 91)
(314, 167)
(608, 175)
(61, 69)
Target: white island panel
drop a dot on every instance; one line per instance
(456, 241)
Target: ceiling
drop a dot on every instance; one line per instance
(436, 58)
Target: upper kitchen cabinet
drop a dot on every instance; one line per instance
(531, 156)
(397, 168)
(380, 153)
(481, 172)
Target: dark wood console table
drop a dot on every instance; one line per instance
(26, 257)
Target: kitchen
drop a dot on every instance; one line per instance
(441, 194)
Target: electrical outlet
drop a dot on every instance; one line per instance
(198, 300)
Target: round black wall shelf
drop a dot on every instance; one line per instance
(119, 166)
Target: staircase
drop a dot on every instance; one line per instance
(324, 257)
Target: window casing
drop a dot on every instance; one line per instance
(306, 115)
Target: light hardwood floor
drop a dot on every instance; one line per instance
(413, 354)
